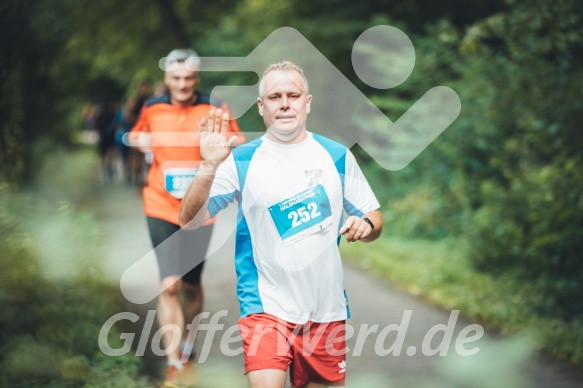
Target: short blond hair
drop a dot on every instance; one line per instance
(282, 66)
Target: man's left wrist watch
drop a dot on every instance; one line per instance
(368, 221)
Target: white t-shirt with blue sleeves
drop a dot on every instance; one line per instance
(291, 200)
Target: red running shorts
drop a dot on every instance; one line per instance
(314, 352)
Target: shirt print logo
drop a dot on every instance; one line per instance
(314, 178)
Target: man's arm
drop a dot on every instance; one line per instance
(358, 192)
(196, 198)
(358, 229)
(214, 149)
(139, 136)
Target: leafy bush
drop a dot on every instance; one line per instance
(505, 176)
(53, 299)
(443, 273)
(535, 224)
(528, 209)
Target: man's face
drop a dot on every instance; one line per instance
(284, 105)
(181, 83)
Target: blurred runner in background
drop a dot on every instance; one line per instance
(134, 163)
(175, 117)
(105, 125)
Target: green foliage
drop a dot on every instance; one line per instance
(11, 107)
(504, 180)
(443, 273)
(53, 298)
(505, 176)
(535, 223)
(528, 219)
(11, 132)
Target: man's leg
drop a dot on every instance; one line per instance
(267, 358)
(311, 385)
(193, 302)
(319, 365)
(177, 251)
(170, 313)
(266, 378)
(169, 309)
(273, 378)
(193, 248)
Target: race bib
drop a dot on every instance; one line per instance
(176, 180)
(302, 214)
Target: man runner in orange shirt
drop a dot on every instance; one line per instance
(168, 126)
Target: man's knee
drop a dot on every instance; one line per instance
(171, 286)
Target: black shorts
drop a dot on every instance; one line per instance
(179, 251)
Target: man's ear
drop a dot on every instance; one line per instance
(260, 106)
(308, 103)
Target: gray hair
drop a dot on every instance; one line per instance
(189, 57)
(282, 66)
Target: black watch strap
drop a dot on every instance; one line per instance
(368, 222)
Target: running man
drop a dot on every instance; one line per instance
(292, 186)
(168, 126)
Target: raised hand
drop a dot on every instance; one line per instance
(214, 145)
